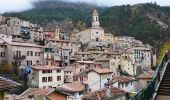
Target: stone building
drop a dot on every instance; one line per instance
(95, 32)
(21, 53)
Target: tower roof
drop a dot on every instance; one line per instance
(95, 13)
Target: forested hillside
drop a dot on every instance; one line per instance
(146, 22)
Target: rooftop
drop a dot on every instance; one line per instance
(72, 87)
(25, 44)
(123, 79)
(95, 13)
(34, 91)
(147, 75)
(101, 70)
(101, 94)
(45, 67)
(6, 84)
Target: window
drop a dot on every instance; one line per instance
(81, 70)
(2, 54)
(58, 78)
(37, 61)
(65, 57)
(58, 71)
(44, 79)
(18, 53)
(122, 85)
(118, 85)
(80, 93)
(74, 78)
(35, 53)
(29, 53)
(67, 44)
(96, 18)
(81, 79)
(29, 62)
(46, 62)
(61, 44)
(126, 84)
(46, 71)
(50, 79)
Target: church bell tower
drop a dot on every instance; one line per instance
(95, 19)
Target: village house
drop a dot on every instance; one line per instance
(44, 76)
(21, 30)
(20, 53)
(145, 78)
(82, 56)
(52, 33)
(125, 83)
(68, 74)
(97, 77)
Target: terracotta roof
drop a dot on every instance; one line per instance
(147, 75)
(6, 84)
(24, 44)
(34, 91)
(45, 67)
(123, 79)
(101, 94)
(72, 87)
(101, 70)
(69, 68)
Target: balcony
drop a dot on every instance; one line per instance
(19, 57)
(49, 57)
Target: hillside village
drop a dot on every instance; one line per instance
(85, 65)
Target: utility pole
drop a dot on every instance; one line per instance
(108, 79)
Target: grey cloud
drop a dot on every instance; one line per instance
(21, 5)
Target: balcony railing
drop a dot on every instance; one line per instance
(49, 57)
(147, 92)
(19, 57)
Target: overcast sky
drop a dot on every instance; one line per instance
(21, 5)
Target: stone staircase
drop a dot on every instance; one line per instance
(164, 88)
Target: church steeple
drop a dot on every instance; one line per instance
(95, 18)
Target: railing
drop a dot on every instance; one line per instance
(147, 92)
(19, 57)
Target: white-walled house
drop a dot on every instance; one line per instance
(125, 83)
(44, 76)
(97, 78)
(141, 55)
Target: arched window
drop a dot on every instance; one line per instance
(96, 18)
